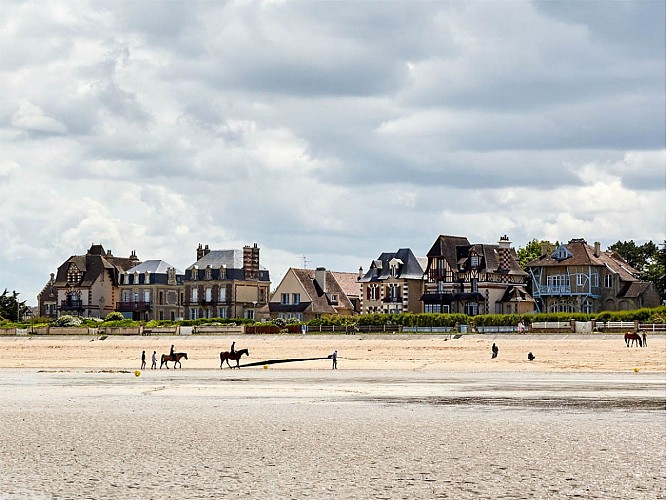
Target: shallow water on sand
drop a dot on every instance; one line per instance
(331, 434)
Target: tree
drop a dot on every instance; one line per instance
(531, 252)
(648, 259)
(10, 306)
(638, 257)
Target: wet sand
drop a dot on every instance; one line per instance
(84, 426)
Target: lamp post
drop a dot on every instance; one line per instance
(18, 308)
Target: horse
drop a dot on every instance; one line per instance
(633, 338)
(176, 358)
(226, 356)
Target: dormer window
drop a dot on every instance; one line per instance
(561, 253)
(223, 273)
(147, 277)
(474, 261)
(74, 275)
(207, 273)
(194, 272)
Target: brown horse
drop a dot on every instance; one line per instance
(176, 358)
(226, 356)
(632, 338)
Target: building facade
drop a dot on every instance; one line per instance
(225, 284)
(475, 279)
(152, 290)
(47, 300)
(578, 277)
(393, 284)
(88, 285)
(306, 294)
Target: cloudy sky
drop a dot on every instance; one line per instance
(330, 130)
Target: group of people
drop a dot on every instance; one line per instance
(153, 359)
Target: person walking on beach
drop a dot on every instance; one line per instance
(494, 351)
(521, 328)
(334, 360)
(154, 360)
(143, 359)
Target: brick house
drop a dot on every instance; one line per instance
(152, 290)
(88, 285)
(393, 283)
(225, 284)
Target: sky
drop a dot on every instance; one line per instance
(326, 132)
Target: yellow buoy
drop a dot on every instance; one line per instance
(636, 369)
(266, 367)
(137, 373)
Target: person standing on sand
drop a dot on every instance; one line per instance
(494, 351)
(143, 359)
(521, 328)
(154, 360)
(334, 360)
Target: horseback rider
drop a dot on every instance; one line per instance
(172, 354)
(231, 349)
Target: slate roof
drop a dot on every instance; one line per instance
(446, 246)
(153, 267)
(93, 264)
(231, 259)
(409, 267)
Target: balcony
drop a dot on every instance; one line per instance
(133, 306)
(72, 305)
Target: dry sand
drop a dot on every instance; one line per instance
(469, 353)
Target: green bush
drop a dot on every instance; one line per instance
(67, 320)
(114, 316)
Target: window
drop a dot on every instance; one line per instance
(581, 279)
(222, 312)
(222, 273)
(473, 285)
(441, 287)
(474, 261)
(250, 314)
(471, 309)
(194, 273)
(595, 280)
(161, 315)
(208, 294)
(296, 298)
(608, 280)
(587, 307)
(195, 293)
(161, 299)
(284, 298)
(393, 270)
(193, 313)
(147, 295)
(373, 292)
(393, 292)
(207, 273)
(222, 294)
(334, 298)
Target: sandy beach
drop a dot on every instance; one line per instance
(469, 353)
(402, 417)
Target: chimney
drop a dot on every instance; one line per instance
(251, 261)
(597, 249)
(321, 278)
(206, 250)
(133, 256)
(53, 278)
(361, 273)
(200, 252)
(545, 248)
(504, 253)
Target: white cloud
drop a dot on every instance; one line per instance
(335, 131)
